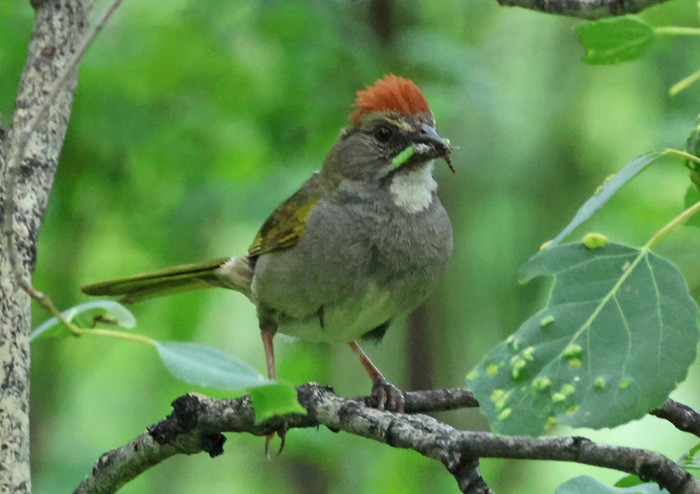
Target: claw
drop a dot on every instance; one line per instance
(268, 438)
(388, 396)
(282, 434)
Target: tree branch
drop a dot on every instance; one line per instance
(682, 416)
(584, 9)
(197, 421)
(196, 424)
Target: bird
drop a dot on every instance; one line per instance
(361, 243)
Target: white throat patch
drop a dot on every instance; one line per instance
(413, 191)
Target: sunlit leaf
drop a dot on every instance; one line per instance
(589, 485)
(274, 399)
(617, 334)
(207, 367)
(110, 311)
(605, 192)
(628, 481)
(615, 40)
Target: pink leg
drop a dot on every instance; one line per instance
(387, 395)
(267, 331)
(371, 369)
(267, 337)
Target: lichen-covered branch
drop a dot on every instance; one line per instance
(24, 190)
(197, 421)
(196, 424)
(584, 9)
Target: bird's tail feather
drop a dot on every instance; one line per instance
(177, 279)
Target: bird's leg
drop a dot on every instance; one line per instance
(267, 331)
(388, 396)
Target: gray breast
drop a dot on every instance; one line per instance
(355, 242)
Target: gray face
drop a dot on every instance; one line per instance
(368, 147)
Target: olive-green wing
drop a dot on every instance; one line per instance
(284, 227)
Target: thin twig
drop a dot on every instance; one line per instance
(45, 301)
(682, 416)
(684, 83)
(682, 154)
(584, 9)
(677, 31)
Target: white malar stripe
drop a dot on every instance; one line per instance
(414, 191)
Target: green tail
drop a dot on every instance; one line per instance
(166, 282)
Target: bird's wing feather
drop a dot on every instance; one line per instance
(284, 227)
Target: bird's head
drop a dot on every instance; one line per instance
(392, 131)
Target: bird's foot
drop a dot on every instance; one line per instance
(282, 434)
(388, 397)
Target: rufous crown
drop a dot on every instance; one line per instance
(390, 93)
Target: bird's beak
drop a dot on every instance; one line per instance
(429, 144)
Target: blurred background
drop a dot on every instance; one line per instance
(194, 119)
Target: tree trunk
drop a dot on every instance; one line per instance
(58, 28)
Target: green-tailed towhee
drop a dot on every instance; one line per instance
(362, 242)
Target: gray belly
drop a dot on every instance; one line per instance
(354, 268)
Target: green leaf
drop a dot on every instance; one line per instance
(629, 481)
(274, 399)
(615, 40)
(605, 192)
(618, 333)
(589, 485)
(207, 367)
(111, 311)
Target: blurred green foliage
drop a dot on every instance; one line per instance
(194, 119)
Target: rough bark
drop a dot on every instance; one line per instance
(584, 9)
(24, 192)
(196, 424)
(197, 421)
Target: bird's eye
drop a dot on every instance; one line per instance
(382, 133)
